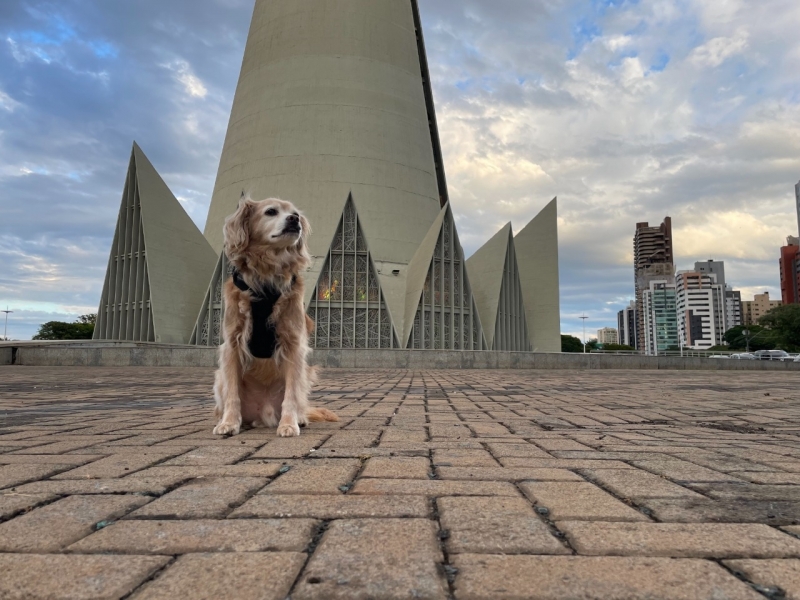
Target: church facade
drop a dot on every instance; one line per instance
(334, 111)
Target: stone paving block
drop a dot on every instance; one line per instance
(13, 475)
(46, 459)
(324, 476)
(206, 498)
(252, 575)
(560, 443)
(463, 458)
(636, 484)
(251, 469)
(517, 450)
(419, 487)
(296, 447)
(154, 486)
(728, 510)
(210, 455)
(50, 528)
(695, 540)
(332, 507)
(485, 577)
(747, 491)
(783, 575)
(681, 470)
(769, 478)
(562, 463)
(117, 465)
(505, 474)
(375, 558)
(55, 447)
(202, 535)
(40, 576)
(480, 524)
(579, 501)
(12, 503)
(397, 468)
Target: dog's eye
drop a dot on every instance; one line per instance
(271, 212)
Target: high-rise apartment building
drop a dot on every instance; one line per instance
(733, 308)
(733, 298)
(652, 260)
(626, 325)
(607, 335)
(797, 198)
(790, 267)
(659, 317)
(700, 304)
(753, 310)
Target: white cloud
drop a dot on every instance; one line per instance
(716, 51)
(183, 73)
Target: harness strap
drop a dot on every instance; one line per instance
(263, 338)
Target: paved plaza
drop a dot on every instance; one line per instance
(435, 484)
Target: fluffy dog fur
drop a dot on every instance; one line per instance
(266, 242)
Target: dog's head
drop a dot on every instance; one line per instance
(267, 226)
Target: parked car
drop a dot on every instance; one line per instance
(719, 356)
(797, 359)
(772, 355)
(743, 356)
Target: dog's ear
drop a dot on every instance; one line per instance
(237, 228)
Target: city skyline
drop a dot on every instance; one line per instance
(670, 124)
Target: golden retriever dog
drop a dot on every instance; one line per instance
(264, 378)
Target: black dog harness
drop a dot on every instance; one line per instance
(263, 337)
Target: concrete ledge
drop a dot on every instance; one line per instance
(129, 354)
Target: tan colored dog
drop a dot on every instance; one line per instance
(263, 378)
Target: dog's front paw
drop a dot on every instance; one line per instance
(288, 430)
(228, 427)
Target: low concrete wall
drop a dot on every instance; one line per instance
(98, 354)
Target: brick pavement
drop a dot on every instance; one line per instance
(439, 484)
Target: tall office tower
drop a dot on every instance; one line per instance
(626, 325)
(790, 267)
(717, 267)
(753, 310)
(700, 304)
(607, 335)
(659, 317)
(652, 259)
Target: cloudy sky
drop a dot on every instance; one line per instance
(627, 110)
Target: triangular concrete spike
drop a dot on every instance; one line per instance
(161, 268)
(537, 251)
(451, 303)
(208, 328)
(486, 268)
(417, 272)
(368, 300)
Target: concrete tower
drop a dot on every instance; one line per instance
(334, 102)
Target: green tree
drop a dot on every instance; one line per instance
(760, 338)
(784, 323)
(82, 329)
(569, 343)
(618, 347)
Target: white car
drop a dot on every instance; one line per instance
(743, 356)
(797, 359)
(719, 356)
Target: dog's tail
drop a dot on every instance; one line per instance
(317, 415)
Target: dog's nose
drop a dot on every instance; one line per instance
(292, 219)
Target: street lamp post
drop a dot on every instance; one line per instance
(5, 330)
(583, 318)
